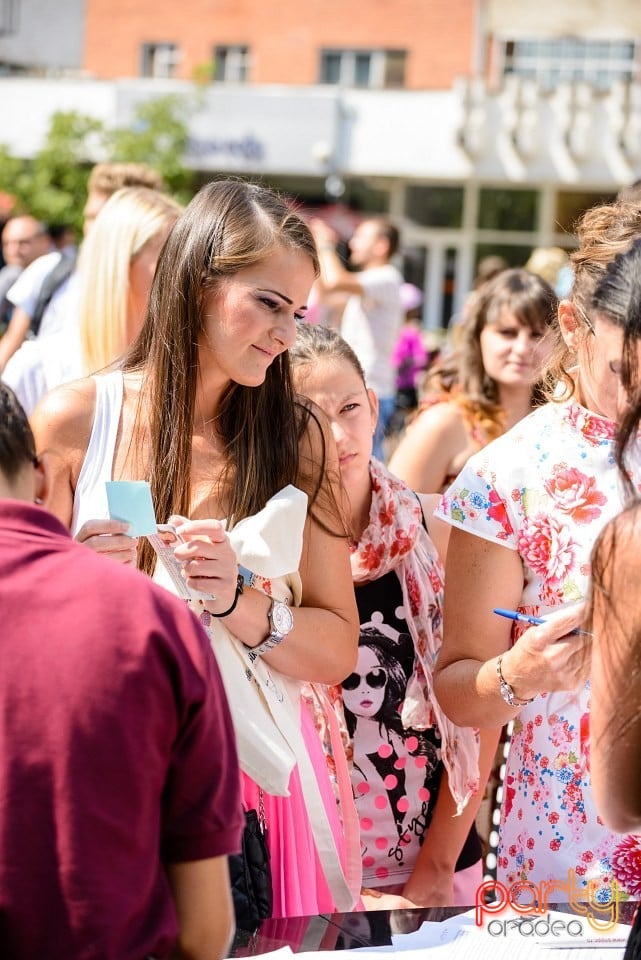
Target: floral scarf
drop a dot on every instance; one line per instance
(395, 539)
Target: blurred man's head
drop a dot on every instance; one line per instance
(21, 473)
(374, 242)
(23, 239)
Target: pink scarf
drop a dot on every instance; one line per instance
(395, 539)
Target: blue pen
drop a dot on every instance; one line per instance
(515, 615)
(525, 618)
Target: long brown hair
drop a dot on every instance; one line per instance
(229, 225)
(613, 580)
(533, 303)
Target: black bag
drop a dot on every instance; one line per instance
(251, 876)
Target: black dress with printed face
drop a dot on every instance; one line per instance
(397, 773)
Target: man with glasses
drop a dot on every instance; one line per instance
(24, 239)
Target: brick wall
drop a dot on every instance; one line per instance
(285, 36)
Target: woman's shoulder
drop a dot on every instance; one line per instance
(516, 455)
(437, 415)
(444, 406)
(65, 414)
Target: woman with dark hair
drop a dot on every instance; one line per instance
(615, 614)
(386, 676)
(525, 513)
(202, 407)
(615, 677)
(486, 386)
(413, 771)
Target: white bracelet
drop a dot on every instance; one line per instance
(506, 690)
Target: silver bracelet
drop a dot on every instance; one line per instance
(507, 692)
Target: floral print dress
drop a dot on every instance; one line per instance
(545, 489)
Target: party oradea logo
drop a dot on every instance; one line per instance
(595, 907)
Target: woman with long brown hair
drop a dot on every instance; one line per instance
(203, 409)
(484, 387)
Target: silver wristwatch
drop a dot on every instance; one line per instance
(281, 622)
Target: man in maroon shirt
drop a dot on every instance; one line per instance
(119, 781)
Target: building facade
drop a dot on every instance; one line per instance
(481, 126)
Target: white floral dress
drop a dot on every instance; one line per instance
(545, 489)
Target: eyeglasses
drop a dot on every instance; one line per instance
(585, 319)
(375, 679)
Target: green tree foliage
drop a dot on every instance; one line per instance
(58, 173)
(53, 184)
(158, 136)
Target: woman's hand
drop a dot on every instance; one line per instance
(379, 900)
(208, 560)
(549, 656)
(433, 888)
(110, 538)
(324, 235)
(479, 576)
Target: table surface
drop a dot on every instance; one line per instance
(344, 931)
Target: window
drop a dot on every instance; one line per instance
(159, 60)
(363, 68)
(501, 209)
(231, 64)
(553, 61)
(572, 204)
(434, 206)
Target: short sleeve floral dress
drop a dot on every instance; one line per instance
(545, 489)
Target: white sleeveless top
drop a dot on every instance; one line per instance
(90, 500)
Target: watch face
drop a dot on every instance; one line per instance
(282, 618)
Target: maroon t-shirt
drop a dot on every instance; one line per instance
(116, 749)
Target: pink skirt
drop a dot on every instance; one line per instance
(300, 888)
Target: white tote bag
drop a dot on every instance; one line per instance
(265, 705)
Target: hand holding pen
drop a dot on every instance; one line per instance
(527, 618)
(552, 655)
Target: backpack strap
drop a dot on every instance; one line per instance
(54, 279)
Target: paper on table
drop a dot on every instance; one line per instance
(130, 500)
(462, 927)
(432, 933)
(466, 946)
(282, 952)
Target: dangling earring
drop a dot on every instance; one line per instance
(39, 501)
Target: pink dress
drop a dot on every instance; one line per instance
(299, 884)
(300, 888)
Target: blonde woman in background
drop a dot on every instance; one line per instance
(116, 266)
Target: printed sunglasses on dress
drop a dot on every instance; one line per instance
(375, 679)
